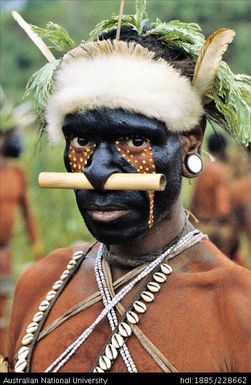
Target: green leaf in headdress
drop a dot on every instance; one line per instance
(41, 85)
(186, 36)
(232, 96)
(57, 35)
(139, 15)
(136, 21)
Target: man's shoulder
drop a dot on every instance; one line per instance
(233, 282)
(224, 272)
(41, 273)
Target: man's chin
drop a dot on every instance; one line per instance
(114, 232)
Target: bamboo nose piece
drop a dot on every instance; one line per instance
(117, 181)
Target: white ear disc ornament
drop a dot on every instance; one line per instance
(194, 163)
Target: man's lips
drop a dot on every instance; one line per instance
(106, 213)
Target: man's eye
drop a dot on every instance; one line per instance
(80, 143)
(137, 141)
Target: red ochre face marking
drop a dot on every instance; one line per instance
(138, 153)
(79, 157)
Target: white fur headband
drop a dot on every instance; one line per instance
(122, 75)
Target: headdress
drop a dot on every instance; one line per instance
(117, 74)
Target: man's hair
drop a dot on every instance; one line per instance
(177, 58)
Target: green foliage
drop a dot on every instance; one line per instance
(232, 95)
(175, 33)
(106, 25)
(57, 36)
(140, 14)
(136, 21)
(41, 86)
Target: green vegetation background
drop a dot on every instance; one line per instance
(58, 219)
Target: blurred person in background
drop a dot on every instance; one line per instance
(13, 195)
(240, 203)
(211, 199)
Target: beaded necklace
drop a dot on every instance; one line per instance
(121, 331)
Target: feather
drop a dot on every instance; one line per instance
(209, 60)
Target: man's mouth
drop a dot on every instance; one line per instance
(106, 213)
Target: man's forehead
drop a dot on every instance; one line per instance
(114, 122)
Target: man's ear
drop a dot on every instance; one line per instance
(191, 145)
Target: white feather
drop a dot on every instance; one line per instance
(209, 60)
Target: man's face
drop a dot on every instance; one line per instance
(102, 142)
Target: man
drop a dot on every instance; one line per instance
(118, 306)
(13, 196)
(211, 200)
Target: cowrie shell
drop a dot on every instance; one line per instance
(166, 269)
(50, 295)
(77, 255)
(111, 352)
(117, 340)
(44, 305)
(64, 274)
(159, 277)
(32, 327)
(71, 264)
(124, 329)
(27, 339)
(132, 317)
(20, 366)
(38, 316)
(98, 370)
(154, 287)
(147, 296)
(57, 284)
(23, 353)
(139, 306)
(104, 363)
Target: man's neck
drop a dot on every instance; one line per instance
(156, 238)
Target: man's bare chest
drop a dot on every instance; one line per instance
(179, 324)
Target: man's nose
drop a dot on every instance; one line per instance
(101, 166)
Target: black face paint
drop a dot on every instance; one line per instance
(128, 211)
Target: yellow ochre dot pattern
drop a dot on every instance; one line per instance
(141, 159)
(78, 158)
